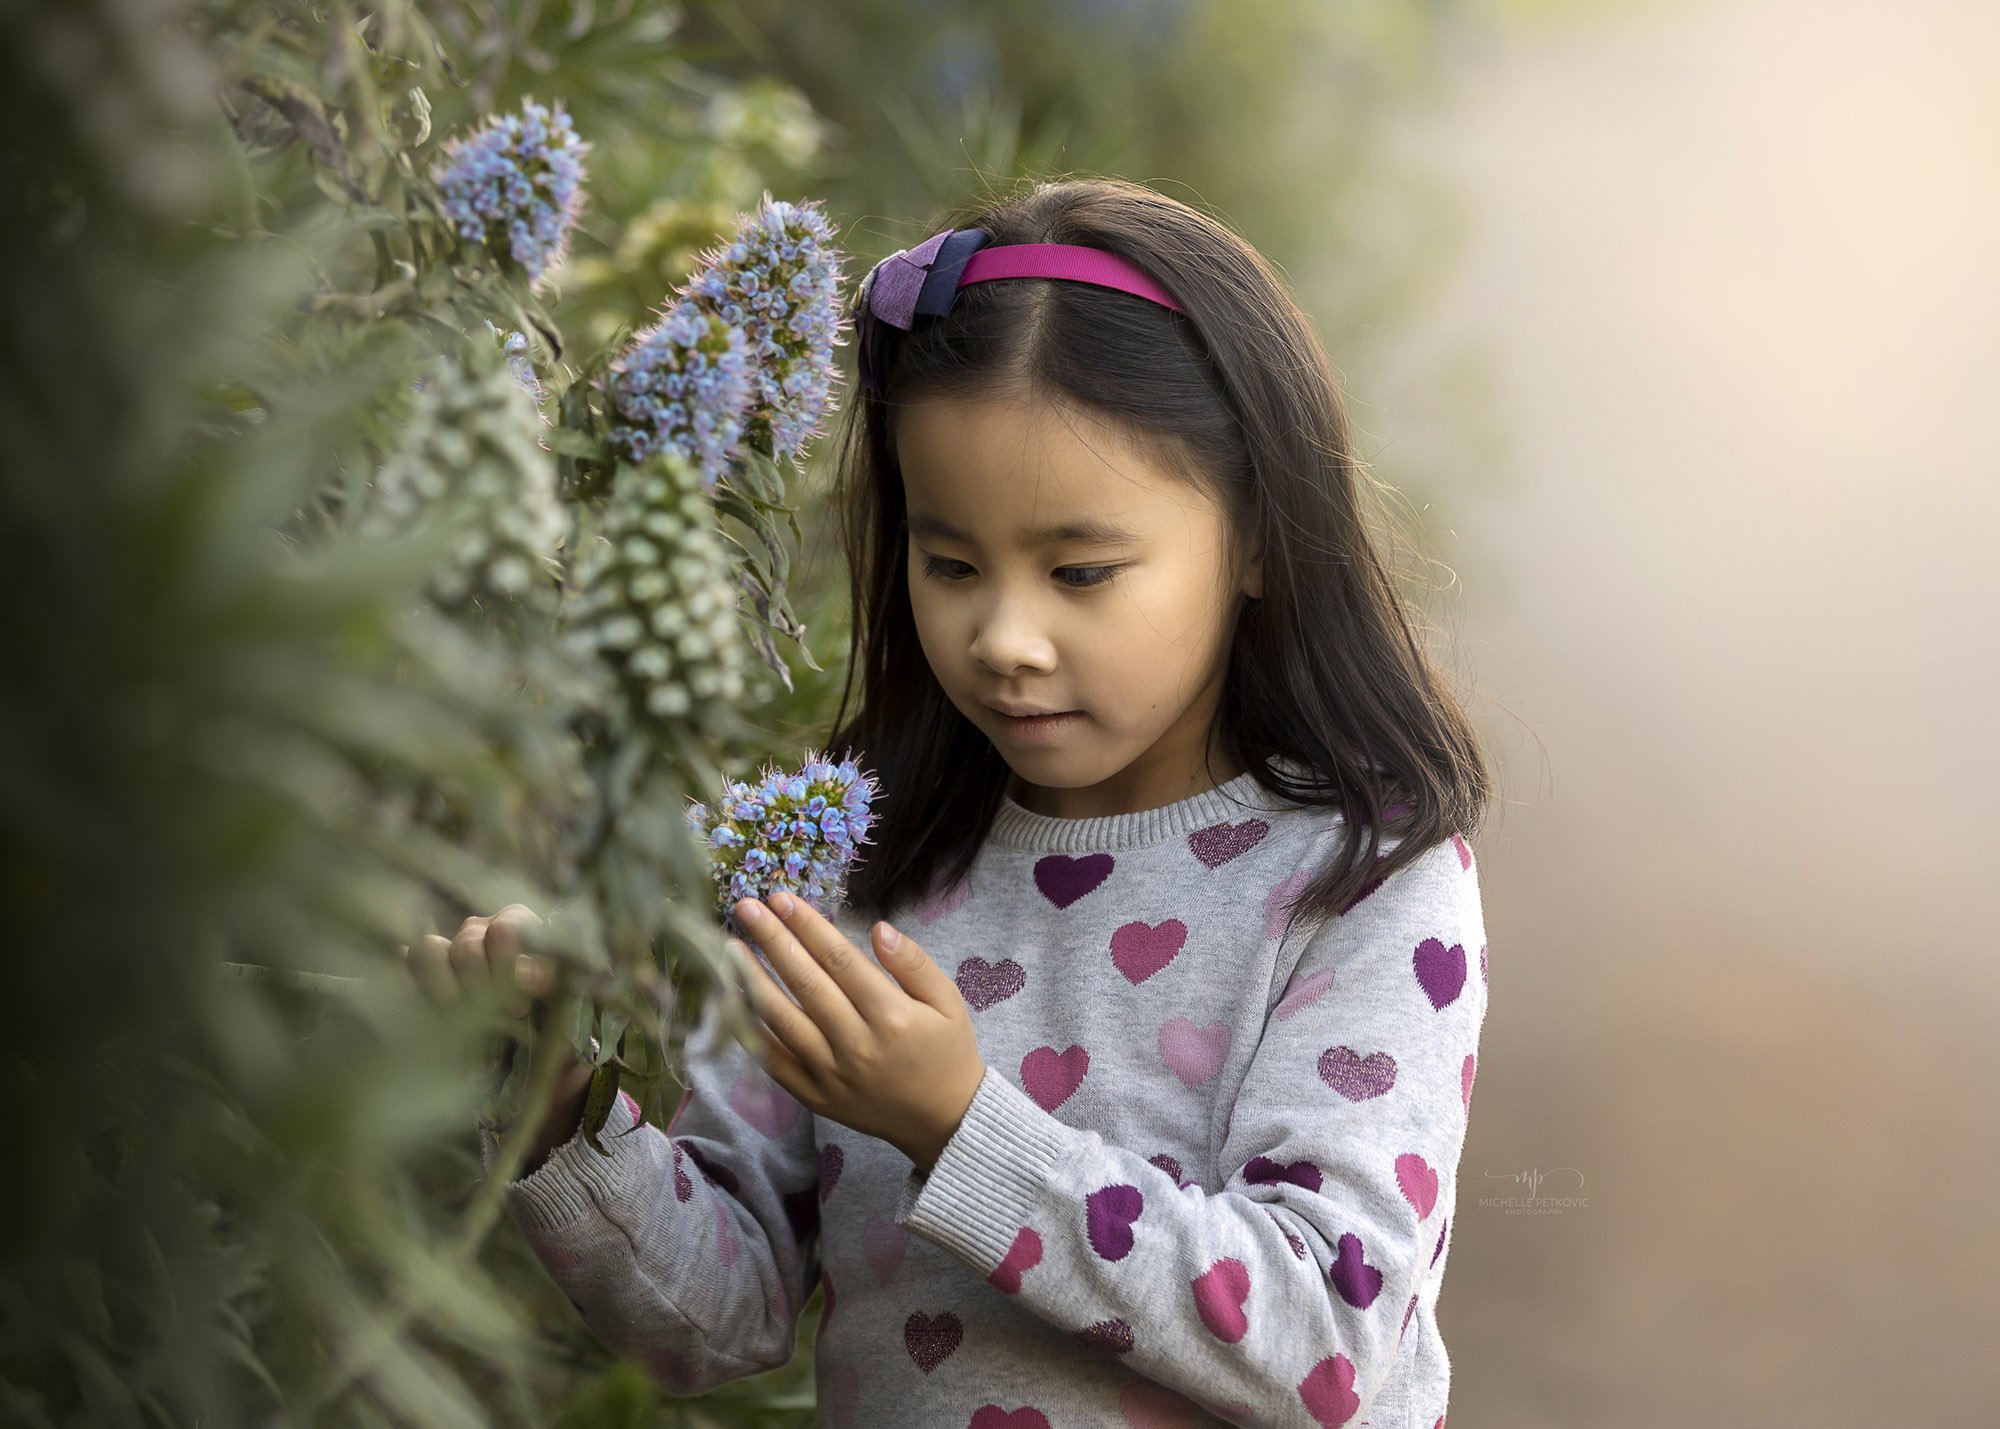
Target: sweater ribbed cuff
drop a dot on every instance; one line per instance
(990, 1176)
(574, 1181)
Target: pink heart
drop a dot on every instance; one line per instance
(683, 1183)
(930, 1339)
(631, 1105)
(1108, 1214)
(1278, 902)
(941, 903)
(1482, 966)
(1148, 1404)
(1419, 1182)
(1328, 1391)
(1408, 1310)
(1219, 1293)
(843, 1395)
(1357, 1281)
(763, 1103)
(1051, 1077)
(1063, 879)
(1220, 843)
(884, 1243)
(992, 1416)
(1465, 1075)
(982, 984)
(1438, 1249)
(1354, 1076)
(1023, 1255)
(1441, 970)
(1139, 950)
(557, 1258)
(1303, 992)
(1464, 851)
(1194, 1053)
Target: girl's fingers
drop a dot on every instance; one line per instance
(429, 962)
(508, 964)
(796, 1032)
(468, 954)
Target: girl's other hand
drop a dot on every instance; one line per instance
(486, 953)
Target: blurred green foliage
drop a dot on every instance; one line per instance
(226, 738)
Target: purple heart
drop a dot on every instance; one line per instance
(683, 1183)
(1357, 1281)
(1216, 845)
(1063, 879)
(1167, 1164)
(1262, 1170)
(1354, 1076)
(982, 984)
(1108, 1215)
(1441, 970)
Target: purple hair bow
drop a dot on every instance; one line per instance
(899, 280)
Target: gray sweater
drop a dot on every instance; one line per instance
(1209, 1172)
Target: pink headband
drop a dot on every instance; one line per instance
(925, 280)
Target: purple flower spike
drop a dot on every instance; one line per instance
(796, 831)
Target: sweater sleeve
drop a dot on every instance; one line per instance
(691, 1250)
(1281, 1298)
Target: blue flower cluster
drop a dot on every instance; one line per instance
(778, 280)
(515, 185)
(798, 831)
(682, 386)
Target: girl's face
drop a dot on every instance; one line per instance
(1125, 623)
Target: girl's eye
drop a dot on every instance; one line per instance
(1098, 575)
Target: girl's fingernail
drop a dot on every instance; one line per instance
(781, 904)
(890, 937)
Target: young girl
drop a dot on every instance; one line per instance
(1154, 1113)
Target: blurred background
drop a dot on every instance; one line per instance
(1668, 322)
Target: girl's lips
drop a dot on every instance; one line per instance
(1037, 728)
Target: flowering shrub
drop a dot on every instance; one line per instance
(683, 388)
(778, 282)
(515, 186)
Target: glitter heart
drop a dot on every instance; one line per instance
(1354, 1076)
(831, 1161)
(1218, 844)
(982, 984)
(930, 1339)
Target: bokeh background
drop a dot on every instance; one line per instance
(1668, 326)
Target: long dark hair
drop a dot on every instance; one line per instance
(1324, 670)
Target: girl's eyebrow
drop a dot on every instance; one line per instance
(1088, 530)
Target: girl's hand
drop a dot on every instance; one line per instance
(895, 1057)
